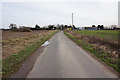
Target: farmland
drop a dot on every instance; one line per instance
(13, 42)
(102, 43)
(17, 46)
(12, 35)
(108, 34)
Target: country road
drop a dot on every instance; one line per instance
(62, 58)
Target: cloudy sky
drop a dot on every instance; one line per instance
(59, 12)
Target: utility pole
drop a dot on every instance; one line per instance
(72, 19)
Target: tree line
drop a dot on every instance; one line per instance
(14, 27)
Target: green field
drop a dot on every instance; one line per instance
(100, 53)
(109, 34)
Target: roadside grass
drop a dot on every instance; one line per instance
(14, 61)
(108, 34)
(100, 54)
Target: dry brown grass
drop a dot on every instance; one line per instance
(13, 42)
(12, 35)
(108, 46)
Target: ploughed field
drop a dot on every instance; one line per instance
(12, 35)
(13, 42)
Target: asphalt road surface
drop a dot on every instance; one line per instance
(62, 58)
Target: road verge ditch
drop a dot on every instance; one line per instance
(13, 62)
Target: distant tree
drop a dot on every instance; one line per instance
(24, 29)
(70, 26)
(113, 27)
(65, 26)
(58, 25)
(74, 27)
(61, 27)
(93, 26)
(54, 28)
(13, 26)
(50, 27)
(37, 27)
(100, 27)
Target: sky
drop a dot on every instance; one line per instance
(29, 13)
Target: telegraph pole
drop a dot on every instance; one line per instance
(72, 19)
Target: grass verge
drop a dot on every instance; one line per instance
(100, 54)
(13, 62)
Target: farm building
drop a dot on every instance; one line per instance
(69, 28)
(81, 28)
(90, 28)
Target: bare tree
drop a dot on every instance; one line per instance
(37, 27)
(13, 26)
